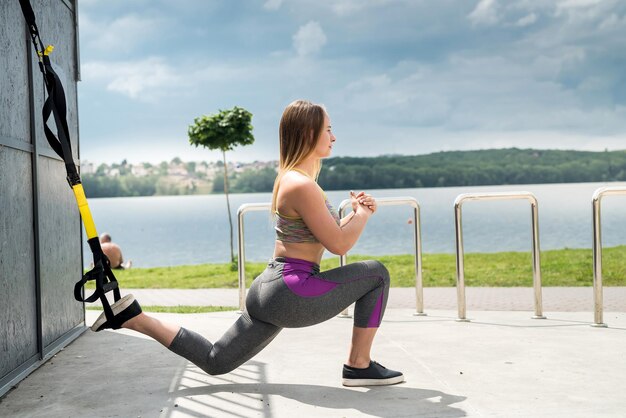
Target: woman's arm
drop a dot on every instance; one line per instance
(356, 199)
(346, 219)
(306, 198)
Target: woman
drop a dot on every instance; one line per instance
(292, 292)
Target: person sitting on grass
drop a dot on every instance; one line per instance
(113, 253)
(292, 292)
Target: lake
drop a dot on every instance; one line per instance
(176, 230)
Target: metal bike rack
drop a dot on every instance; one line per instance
(417, 237)
(460, 268)
(597, 250)
(241, 257)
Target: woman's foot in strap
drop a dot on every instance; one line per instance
(124, 309)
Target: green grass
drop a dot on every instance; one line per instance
(567, 267)
(178, 309)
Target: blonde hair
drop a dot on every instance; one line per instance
(300, 126)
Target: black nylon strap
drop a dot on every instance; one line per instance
(133, 310)
(29, 15)
(101, 273)
(55, 105)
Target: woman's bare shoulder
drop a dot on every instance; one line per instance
(293, 182)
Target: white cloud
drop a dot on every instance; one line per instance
(610, 22)
(273, 4)
(580, 11)
(309, 39)
(341, 8)
(486, 93)
(346, 7)
(439, 86)
(526, 20)
(135, 79)
(576, 4)
(122, 34)
(399, 100)
(88, 3)
(153, 78)
(485, 13)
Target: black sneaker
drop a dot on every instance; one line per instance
(374, 375)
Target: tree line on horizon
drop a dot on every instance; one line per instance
(441, 169)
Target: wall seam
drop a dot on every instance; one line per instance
(35, 190)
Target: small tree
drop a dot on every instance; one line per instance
(223, 131)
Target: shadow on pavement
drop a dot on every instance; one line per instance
(389, 401)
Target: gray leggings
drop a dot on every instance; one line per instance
(290, 293)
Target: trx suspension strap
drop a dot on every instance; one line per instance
(55, 105)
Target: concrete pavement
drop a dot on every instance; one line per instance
(502, 364)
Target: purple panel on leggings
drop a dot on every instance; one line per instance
(374, 321)
(298, 278)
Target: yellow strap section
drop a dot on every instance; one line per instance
(85, 213)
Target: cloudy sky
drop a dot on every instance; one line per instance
(397, 76)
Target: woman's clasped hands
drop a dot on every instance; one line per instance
(363, 199)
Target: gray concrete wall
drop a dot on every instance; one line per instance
(40, 232)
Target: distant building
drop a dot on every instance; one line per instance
(265, 164)
(177, 170)
(87, 167)
(138, 170)
(208, 169)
